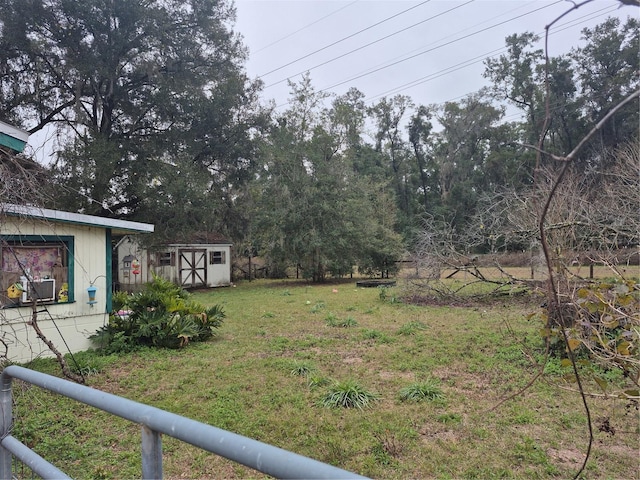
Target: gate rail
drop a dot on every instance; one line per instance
(260, 456)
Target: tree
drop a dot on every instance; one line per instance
(607, 71)
(318, 213)
(22, 179)
(460, 152)
(514, 79)
(420, 129)
(131, 84)
(387, 115)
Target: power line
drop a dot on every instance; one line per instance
(437, 47)
(373, 42)
(305, 27)
(561, 27)
(490, 54)
(345, 38)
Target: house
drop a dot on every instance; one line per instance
(203, 262)
(57, 264)
(13, 137)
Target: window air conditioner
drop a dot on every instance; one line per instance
(42, 291)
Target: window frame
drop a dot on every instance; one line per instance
(67, 242)
(166, 259)
(213, 257)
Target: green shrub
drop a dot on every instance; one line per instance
(161, 315)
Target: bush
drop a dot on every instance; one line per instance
(602, 329)
(161, 315)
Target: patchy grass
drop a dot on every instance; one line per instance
(276, 356)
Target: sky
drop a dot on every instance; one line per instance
(432, 51)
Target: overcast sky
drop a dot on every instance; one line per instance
(432, 51)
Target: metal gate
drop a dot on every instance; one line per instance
(192, 267)
(154, 422)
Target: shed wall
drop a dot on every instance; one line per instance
(215, 275)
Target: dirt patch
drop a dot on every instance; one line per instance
(352, 360)
(429, 434)
(391, 375)
(571, 457)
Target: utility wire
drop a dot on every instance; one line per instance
(438, 47)
(344, 38)
(384, 66)
(454, 34)
(372, 43)
(482, 57)
(304, 28)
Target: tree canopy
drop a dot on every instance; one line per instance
(135, 88)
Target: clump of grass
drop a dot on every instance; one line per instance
(318, 307)
(348, 394)
(302, 369)
(333, 321)
(89, 362)
(376, 335)
(383, 294)
(317, 381)
(387, 448)
(412, 328)
(417, 392)
(449, 418)
(348, 322)
(268, 315)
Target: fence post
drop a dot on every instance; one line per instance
(6, 419)
(151, 454)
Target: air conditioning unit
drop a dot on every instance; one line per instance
(41, 291)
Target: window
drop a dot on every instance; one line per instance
(36, 268)
(166, 259)
(217, 258)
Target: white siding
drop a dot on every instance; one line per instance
(76, 320)
(216, 275)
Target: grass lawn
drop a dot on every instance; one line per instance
(284, 345)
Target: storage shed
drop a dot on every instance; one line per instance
(206, 262)
(61, 262)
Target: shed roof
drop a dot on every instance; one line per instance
(118, 227)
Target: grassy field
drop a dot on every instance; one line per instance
(281, 348)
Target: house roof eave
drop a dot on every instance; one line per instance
(118, 227)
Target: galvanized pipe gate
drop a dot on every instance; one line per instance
(260, 456)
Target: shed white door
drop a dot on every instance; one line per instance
(192, 267)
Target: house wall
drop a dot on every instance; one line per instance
(76, 320)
